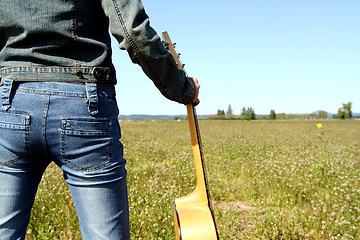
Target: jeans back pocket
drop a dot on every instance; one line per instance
(86, 145)
(14, 137)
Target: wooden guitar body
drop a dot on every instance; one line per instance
(194, 222)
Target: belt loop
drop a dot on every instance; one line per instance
(6, 93)
(92, 97)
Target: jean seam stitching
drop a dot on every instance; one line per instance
(74, 28)
(27, 133)
(45, 92)
(132, 42)
(14, 160)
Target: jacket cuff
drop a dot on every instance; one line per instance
(185, 93)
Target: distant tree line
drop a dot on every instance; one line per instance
(345, 111)
(248, 113)
(245, 114)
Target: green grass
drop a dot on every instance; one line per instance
(268, 180)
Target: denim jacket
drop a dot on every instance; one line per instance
(68, 40)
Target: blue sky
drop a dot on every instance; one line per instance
(290, 56)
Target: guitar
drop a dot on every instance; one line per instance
(194, 219)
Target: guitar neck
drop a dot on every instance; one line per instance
(201, 181)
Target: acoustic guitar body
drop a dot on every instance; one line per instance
(194, 223)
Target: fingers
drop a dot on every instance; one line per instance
(196, 100)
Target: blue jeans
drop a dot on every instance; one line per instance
(74, 125)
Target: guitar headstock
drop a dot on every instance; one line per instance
(171, 47)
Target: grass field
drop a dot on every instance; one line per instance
(268, 180)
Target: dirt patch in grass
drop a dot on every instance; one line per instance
(238, 207)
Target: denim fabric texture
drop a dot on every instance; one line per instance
(58, 105)
(50, 122)
(75, 34)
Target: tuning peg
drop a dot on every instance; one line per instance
(178, 55)
(166, 44)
